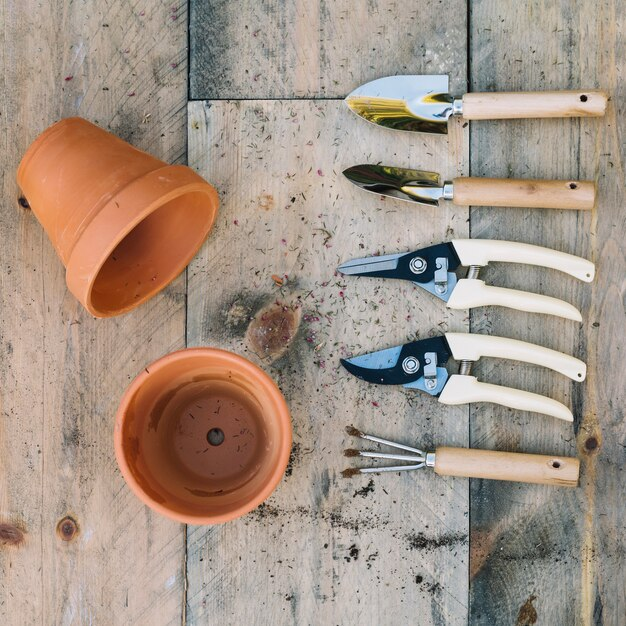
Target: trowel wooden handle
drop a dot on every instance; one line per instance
(508, 106)
(535, 194)
(526, 468)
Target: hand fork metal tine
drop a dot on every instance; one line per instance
(417, 460)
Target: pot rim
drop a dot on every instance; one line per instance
(92, 249)
(281, 414)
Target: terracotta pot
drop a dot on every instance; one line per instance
(202, 436)
(124, 223)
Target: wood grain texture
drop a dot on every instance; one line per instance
(325, 549)
(320, 48)
(75, 545)
(91, 553)
(555, 556)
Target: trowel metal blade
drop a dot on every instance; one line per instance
(397, 182)
(418, 103)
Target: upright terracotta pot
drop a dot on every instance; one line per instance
(124, 223)
(202, 436)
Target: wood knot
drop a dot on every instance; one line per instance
(266, 201)
(23, 202)
(11, 535)
(591, 444)
(67, 528)
(272, 330)
(528, 613)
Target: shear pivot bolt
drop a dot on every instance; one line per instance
(410, 365)
(417, 265)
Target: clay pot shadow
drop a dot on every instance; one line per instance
(202, 436)
(124, 223)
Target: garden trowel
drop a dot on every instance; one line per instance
(423, 104)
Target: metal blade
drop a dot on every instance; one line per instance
(405, 184)
(421, 267)
(382, 266)
(415, 103)
(373, 365)
(402, 365)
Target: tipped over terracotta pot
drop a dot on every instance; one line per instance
(124, 223)
(202, 436)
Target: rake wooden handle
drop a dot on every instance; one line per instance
(526, 468)
(525, 105)
(534, 194)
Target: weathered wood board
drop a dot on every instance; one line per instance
(325, 549)
(322, 550)
(554, 557)
(62, 372)
(320, 49)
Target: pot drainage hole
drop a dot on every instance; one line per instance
(215, 436)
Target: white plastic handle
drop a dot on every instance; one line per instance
(471, 292)
(482, 251)
(465, 389)
(466, 346)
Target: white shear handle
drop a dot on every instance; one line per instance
(465, 389)
(469, 347)
(482, 251)
(471, 292)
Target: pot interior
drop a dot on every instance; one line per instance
(152, 254)
(202, 441)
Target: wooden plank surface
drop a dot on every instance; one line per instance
(62, 372)
(541, 555)
(322, 550)
(319, 49)
(325, 549)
